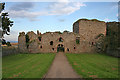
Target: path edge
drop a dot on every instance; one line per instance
(44, 76)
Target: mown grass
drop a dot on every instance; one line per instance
(94, 65)
(26, 65)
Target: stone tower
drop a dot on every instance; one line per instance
(89, 28)
(22, 42)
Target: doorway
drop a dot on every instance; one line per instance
(60, 48)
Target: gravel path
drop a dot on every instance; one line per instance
(61, 68)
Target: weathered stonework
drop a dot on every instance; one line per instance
(76, 27)
(90, 28)
(22, 42)
(83, 31)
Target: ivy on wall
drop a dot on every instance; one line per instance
(77, 41)
(109, 43)
(27, 40)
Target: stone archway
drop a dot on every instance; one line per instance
(60, 48)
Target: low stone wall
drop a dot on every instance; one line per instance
(8, 51)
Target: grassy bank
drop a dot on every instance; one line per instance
(26, 65)
(94, 65)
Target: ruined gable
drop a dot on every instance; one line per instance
(32, 36)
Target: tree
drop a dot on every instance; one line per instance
(6, 22)
(3, 41)
(8, 44)
(2, 6)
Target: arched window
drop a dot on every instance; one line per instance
(74, 47)
(59, 45)
(51, 42)
(53, 49)
(60, 39)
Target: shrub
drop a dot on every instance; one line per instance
(3, 41)
(100, 35)
(27, 38)
(77, 41)
(8, 44)
(101, 43)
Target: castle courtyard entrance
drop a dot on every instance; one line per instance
(60, 48)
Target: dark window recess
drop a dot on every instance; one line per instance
(40, 46)
(39, 38)
(59, 45)
(67, 49)
(77, 40)
(51, 42)
(74, 47)
(92, 43)
(53, 49)
(60, 39)
(27, 46)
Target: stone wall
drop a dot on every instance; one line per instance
(32, 36)
(22, 42)
(87, 30)
(8, 51)
(76, 27)
(91, 28)
(44, 46)
(113, 39)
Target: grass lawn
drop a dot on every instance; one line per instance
(94, 65)
(26, 65)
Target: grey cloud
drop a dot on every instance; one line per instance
(12, 37)
(22, 6)
(22, 10)
(32, 16)
(62, 20)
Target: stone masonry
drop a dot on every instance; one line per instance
(82, 39)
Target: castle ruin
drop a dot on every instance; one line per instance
(82, 39)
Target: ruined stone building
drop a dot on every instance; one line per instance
(82, 39)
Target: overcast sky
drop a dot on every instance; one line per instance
(55, 16)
